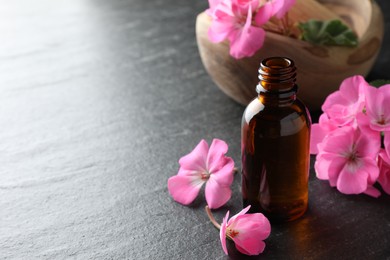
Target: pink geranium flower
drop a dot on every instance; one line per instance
(234, 20)
(340, 108)
(384, 171)
(204, 165)
(347, 158)
(246, 230)
(240, 21)
(343, 105)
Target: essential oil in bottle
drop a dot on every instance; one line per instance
(275, 145)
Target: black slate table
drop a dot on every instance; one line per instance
(98, 101)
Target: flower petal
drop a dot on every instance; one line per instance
(247, 40)
(342, 105)
(252, 229)
(223, 21)
(339, 141)
(333, 99)
(363, 122)
(372, 191)
(264, 14)
(220, 30)
(321, 167)
(216, 154)
(377, 107)
(371, 167)
(252, 247)
(280, 10)
(352, 88)
(225, 175)
(186, 172)
(196, 160)
(242, 6)
(216, 194)
(328, 167)
(318, 133)
(242, 212)
(386, 142)
(213, 3)
(367, 143)
(222, 233)
(385, 92)
(384, 175)
(354, 182)
(184, 189)
(372, 102)
(246, 224)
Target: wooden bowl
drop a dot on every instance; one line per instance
(320, 69)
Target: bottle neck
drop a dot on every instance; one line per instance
(277, 77)
(278, 98)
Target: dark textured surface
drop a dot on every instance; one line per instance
(98, 101)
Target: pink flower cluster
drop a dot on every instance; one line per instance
(352, 138)
(240, 21)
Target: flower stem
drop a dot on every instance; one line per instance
(215, 223)
(272, 27)
(285, 23)
(211, 217)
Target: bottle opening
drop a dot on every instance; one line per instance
(277, 62)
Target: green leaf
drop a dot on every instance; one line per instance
(379, 82)
(332, 32)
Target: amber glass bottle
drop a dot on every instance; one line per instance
(275, 145)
